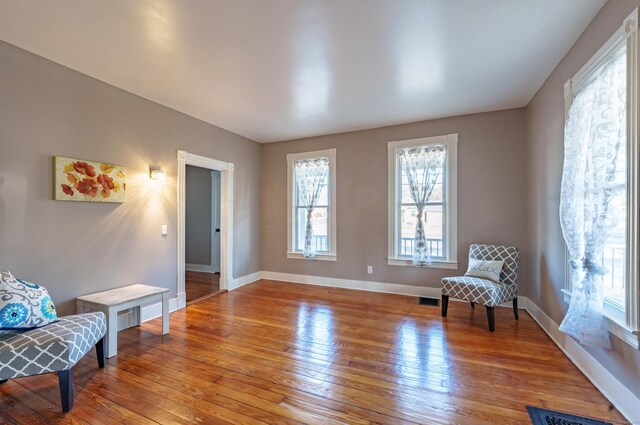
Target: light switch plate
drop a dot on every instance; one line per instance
(164, 230)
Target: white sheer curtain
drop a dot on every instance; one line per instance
(595, 151)
(422, 166)
(311, 175)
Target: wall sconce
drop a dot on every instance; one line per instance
(158, 175)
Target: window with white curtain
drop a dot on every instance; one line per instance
(422, 202)
(311, 184)
(612, 70)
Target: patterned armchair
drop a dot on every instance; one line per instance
(484, 291)
(53, 348)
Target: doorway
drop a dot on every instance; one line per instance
(202, 233)
(225, 213)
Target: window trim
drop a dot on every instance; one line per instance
(451, 202)
(332, 255)
(623, 324)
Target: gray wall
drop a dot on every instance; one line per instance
(491, 202)
(545, 127)
(76, 248)
(198, 215)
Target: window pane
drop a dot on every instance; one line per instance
(324, 194)
(434, 224)
(615, 251)
(320, 221)
(323, 198)
(614, 256)
(436, 195)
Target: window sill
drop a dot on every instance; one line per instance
(615, 324)
(435, 264)
(318, 257)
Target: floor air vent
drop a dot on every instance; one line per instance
(434, 302)
(549, 417)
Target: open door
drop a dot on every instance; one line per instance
(224, 223)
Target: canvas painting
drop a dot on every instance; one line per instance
(86, 181)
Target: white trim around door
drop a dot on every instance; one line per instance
(226, 218)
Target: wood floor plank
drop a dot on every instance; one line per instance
(282, 353)
(244, 376)
(362, 379)
(199, 285)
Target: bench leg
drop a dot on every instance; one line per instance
(65, 379)
(165, 313)
(112, 332)
(101, 353)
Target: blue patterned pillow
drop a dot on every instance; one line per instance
(24, 305)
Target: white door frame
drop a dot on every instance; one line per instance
(216, 197)
(226, 218)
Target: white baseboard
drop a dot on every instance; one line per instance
(155, 310)
(621, 397)
(361, 285)
(244, 280)
(126, 319)
(182, 300)
(199, 268)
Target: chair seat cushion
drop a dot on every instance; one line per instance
(51, 348)
(481, 291)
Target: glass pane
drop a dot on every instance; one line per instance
(614, 256)
(324, 194)
(320, 221)
(436, 195)
(434, 227)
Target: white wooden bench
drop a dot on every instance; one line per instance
(128, 297)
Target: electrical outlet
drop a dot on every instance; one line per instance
(164, 230)
(370, 269)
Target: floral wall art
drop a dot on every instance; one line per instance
(86, 181)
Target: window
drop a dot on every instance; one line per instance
(619, 258)
(439, 195)
(311, 184)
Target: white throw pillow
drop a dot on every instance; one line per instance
(485, 269)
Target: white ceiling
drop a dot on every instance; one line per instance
(283, 69)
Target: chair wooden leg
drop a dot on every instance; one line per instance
(445, 305)
(491, 318)
(102, 355)
(473, 305)
(515, 307)
(65, 379)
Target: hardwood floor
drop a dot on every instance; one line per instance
(273, 352)
(201, 285)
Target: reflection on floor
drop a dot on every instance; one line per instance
(275, 352)
(201, 285)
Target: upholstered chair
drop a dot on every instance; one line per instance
(485, 291)
(56, 347)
